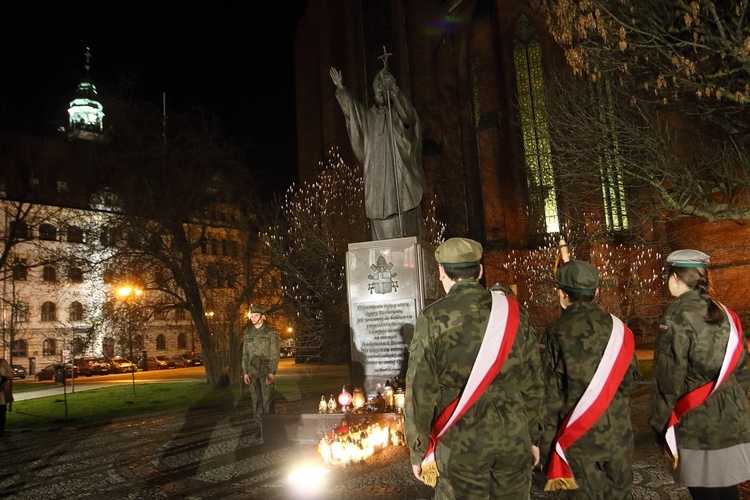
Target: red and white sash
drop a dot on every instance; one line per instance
(496, 344)
(698, 396)
(595, 399)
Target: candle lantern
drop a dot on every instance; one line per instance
(388, 396)
(322, 406)
(399, 399)
(345, 399)
(358, 399)
(331, 404)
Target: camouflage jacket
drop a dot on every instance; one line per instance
(688, 353)
(574, 344)
(446, 341)
(260, 351)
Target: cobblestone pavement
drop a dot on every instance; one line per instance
(216, 452)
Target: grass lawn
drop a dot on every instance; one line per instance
(99, 406)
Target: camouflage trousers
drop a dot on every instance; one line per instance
(262, 396)
(474, 476)
(606, 480)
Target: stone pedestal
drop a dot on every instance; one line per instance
(309, 428)
(389, 282)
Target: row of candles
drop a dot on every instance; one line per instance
(354, 444)
(387, 400)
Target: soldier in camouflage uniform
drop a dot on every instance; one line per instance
(601, 459)
(488, 453)
(713, 439)
(260, 360)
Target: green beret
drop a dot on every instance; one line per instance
(257, 309)
(687, 258)
(577, 276)
(459, 252)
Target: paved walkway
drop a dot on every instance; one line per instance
(216, 452)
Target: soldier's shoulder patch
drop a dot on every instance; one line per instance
(663, 328)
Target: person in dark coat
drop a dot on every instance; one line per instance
(700, 355)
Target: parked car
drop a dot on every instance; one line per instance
(186, 360)
(122, 365)
(19, 371)
(90, 366)
(286, 352)
(48, 372)
(160, 362)
(196, 358)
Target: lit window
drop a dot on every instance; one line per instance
(527, 54)
(613, 191)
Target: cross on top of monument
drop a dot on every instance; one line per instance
(385, 57)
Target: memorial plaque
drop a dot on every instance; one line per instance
(389, 283)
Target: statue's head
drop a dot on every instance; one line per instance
(378, 86)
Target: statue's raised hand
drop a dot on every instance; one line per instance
(336, 77)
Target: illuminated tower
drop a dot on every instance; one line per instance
(85, 111)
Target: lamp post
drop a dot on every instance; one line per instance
(209, 318)
(129, 293)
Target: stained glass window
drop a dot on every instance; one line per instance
(540, 179)
(613, 191)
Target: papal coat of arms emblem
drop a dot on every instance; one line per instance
(382, 277)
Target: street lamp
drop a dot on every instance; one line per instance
(128, 294)
(209, 317)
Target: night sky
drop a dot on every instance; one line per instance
(235, 59)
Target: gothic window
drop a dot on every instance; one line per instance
(527, 55)
(161, 342)
(49, 273)
(75, 234)
(76, 311)
(49, 311)
(181, 341)
(49, 347)
(18, 348)
(613, 191)
(47, 232)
